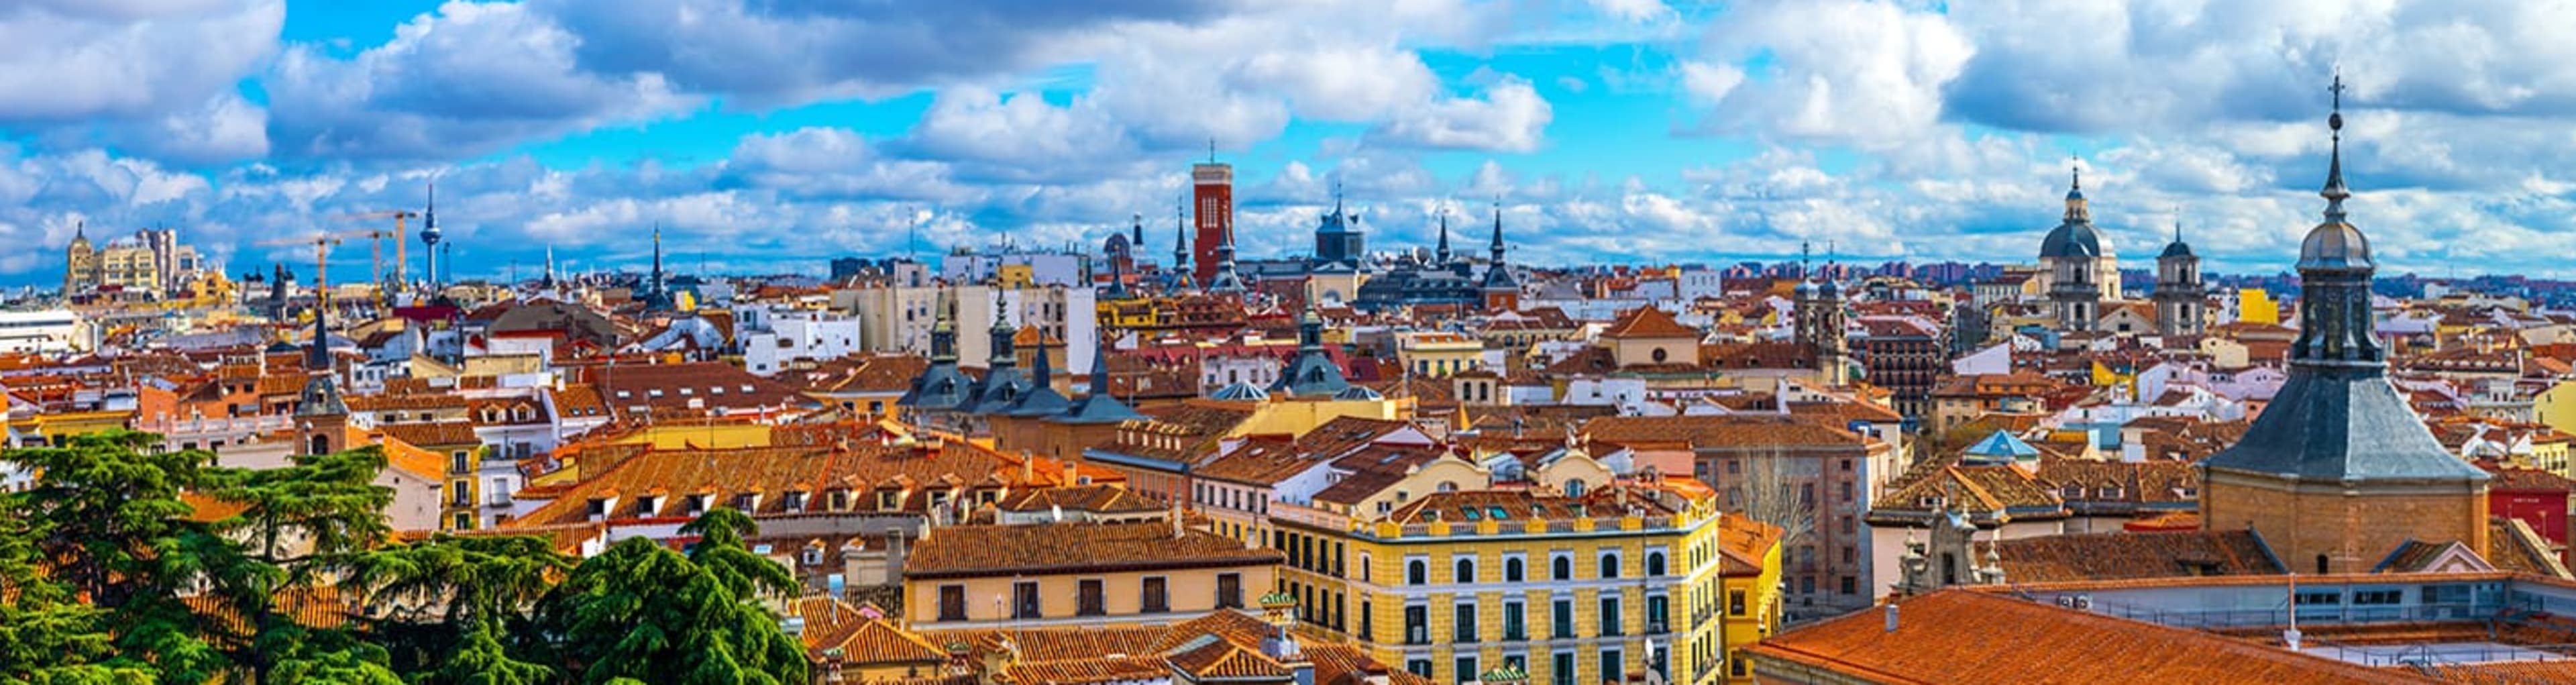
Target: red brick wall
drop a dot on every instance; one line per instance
(2354, 531)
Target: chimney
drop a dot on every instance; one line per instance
(1891, 618)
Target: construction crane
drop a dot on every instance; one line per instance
(321, 243)
(401, 255)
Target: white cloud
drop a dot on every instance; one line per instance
(1510, 117)
(1837, 69)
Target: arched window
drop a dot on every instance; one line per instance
(1561, 568)
(1464, 572)
(1654, 563)
(1512, 570)
(1610, 565)
(1416, 572)
(322, 445)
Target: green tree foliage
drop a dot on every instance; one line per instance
(112, 577)
(641, 611)
(446, 603)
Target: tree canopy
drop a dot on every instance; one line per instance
(124, 563)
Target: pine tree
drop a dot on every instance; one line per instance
(641, 611)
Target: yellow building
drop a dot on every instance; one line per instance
(1571, 587)
(1077, 574)
(2255, 305)
(1438, 354)
(1749, 558)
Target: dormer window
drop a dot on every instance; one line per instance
(2110, 492)
(697, 504)
(1930, 501)
(795, 501)
(813, 556)
(2074, 492)
(889, 500)
(648, 505)
(746, 502)
(840, 500)
(655, 392)
(684, 392)
(600, 506)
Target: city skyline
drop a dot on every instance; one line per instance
(1621, 131)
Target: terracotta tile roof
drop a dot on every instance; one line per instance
(974, 551)
(2512, 545)
(1093, 671)
(434, 434)
(693, 388)
(2126, 555)
(864, 469)
(837, 632)
(578, 401)
(1958, 637)
(1744, 544)
(1259, 461)
(1099, 499)
(1647, 323)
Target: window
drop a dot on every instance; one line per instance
(1513, 627)
(2375, 597)
(1420, 667)
(1090, 598)
(1563, 673)
(1157, 598)
(1466, 666)
(1560, 567)
(1735, 602)
(1367, 570)
(952, 602)
(1024, 599)
(1367, 623)
(1417, 572)
(1417, 625)
(1654, 563)
(1735, 664)
(1657, 613)
(1229, 590)
(1561, 614)
(1610, 624)
(1462, 624)
(1609, 565)
(2307, 598)
(459, 462)
(1464, 571)
(1512, 570)
(1614, 666)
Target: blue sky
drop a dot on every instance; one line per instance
(771, 135)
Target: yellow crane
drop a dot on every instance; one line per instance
(321, 243)
(402, 255)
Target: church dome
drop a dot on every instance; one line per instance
(2177, 249)
(2075, 238)
(2335, 245)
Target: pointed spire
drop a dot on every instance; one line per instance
(1498, 230)
(943, 332)
(2334, 192)
(1443, 251)
(2075, 208)
(1003, 331)
(80, 231)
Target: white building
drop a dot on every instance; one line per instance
(773, 340)
(46, 331)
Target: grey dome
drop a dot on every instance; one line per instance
(2177, 249)
(2335, 245)
(2074, 238)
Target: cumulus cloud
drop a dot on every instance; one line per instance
(1836, 69)
(154, 76)
(1510, 117)
(466, 80)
